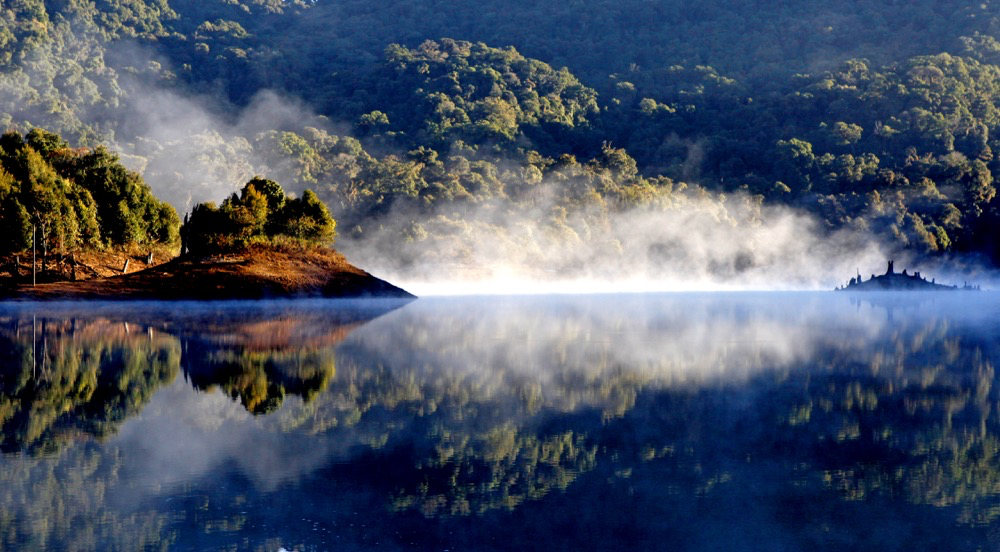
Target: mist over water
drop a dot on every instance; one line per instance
(692, 244)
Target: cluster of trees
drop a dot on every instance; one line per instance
(319, 47)
(476, 94)
(70, 198)
(261, 214)
(904, 151)
(846, 110)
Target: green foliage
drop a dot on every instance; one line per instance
(813, 105)
(476, 93)
(34, 195)
(306, 218)
(270, 190)
(74, 198)
(261, 213)
(44, 142)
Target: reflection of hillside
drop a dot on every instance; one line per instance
(817, 420)
(918, 420)
(62, 377)
(71, 372)
(65, 502)
(472, 396)
(474, 448)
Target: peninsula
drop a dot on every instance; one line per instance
(253, 273)
(70, 217)
(899, 281)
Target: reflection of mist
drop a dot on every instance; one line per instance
(451, 407)
(473, 364)
(184, 434)
(663, 338)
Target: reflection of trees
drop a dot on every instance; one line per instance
(70, 502)
(915, 418)
(856, 424)
(473, 446)
(65, 375)
(501, 469)
(260, 379)
(258, 362)
(62, 377)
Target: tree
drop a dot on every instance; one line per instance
(308, 218)
(845, 134)
(259, 215)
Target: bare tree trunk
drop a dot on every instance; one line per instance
(45, 247)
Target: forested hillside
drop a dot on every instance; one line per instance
(540, 128)
(74, 198)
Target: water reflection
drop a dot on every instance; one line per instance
(739, 421)
(67, 371)
(62, 377)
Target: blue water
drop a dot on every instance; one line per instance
(737, 421)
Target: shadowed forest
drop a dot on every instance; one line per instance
(429, 129)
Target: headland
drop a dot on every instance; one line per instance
(253, 273)
(900, 281)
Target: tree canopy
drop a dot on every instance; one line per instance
(74, 198)
(261, 214)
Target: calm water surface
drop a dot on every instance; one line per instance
(791, 421)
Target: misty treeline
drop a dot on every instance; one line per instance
(427, 147)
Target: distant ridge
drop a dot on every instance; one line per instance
(893, 281)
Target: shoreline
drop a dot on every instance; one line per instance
(255, 274)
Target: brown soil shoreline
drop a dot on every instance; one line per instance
(260, 273)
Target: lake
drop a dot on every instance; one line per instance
(729, 421)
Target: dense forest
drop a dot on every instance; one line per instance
(429, 128)
(67, 198)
